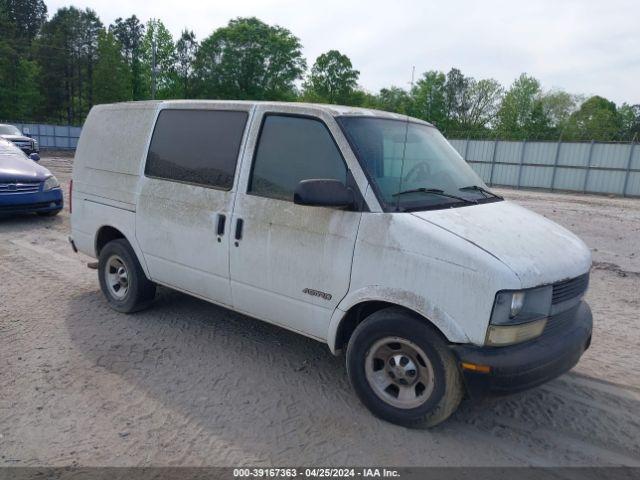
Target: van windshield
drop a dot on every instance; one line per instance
(412, 166)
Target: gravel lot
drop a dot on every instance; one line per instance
(188, 383)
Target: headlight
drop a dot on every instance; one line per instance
(519, 315)
(50, 183)
(501, 335)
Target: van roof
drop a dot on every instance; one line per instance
(334, 110)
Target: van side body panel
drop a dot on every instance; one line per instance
(106, 170)
(424, 268)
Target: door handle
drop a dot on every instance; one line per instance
(239, 225)
(222, 219)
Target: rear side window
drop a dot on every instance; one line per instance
(292, 149)
(196, 146)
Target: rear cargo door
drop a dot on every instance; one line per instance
(186, 197)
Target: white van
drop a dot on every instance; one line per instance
(359, 228)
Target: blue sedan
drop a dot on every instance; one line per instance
(26, 186)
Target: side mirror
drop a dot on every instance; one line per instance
(323, 193)
(35, 157)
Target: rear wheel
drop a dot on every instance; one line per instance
(122, 279)
(402, 370)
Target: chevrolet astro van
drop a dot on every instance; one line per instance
(362, 229)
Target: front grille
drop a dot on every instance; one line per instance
(27, 207)
(568, 289)
(556, 325)
(19, 187)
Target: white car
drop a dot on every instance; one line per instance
(359, 228)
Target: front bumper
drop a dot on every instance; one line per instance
(519, 367)
(31, 202)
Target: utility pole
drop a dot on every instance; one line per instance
(153, 64)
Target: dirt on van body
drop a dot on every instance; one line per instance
(189, 383)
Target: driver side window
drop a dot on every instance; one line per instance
(291, 149)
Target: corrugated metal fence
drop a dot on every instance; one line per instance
(51, 136)
(589, 167)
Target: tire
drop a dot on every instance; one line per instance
(126, 290)
(376, 349)
(49, 213)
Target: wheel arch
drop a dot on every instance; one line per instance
(107, 233)
(357, 306)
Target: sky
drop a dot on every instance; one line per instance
(586, 47)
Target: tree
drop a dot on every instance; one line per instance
(394, 99)
(630, 121)
(596, 119)
(481, 104)
(186, 49)
(165, 60)
(66, 50)
(558, 106)
(130, 32)
(430, 98)
(456, 94)
(27, 16)
(332, 79)
(249, 59)
(522, 114)
(111, 82)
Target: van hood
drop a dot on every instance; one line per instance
(536, 249)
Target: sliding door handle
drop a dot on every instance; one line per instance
(222, 220)
(239, 225)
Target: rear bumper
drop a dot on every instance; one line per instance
(31, 202)
(527, 365)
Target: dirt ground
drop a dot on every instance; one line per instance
(188, 383)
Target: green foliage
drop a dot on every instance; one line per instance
(55, 70)
(630, 121)
(249, 59)
(66, 50)
(19, 90)
(186, 49)
(129, 32)
(597, 118)
(165, 61)
(332, 80)
(111, 80)
(521, 114)
(393, 99)
(429, 99)
(26, 17)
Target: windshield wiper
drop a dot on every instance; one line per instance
(435, 191)
(478, 188)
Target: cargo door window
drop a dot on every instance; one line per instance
(196, 146)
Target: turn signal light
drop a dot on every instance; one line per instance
(475, 368)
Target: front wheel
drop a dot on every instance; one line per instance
(402, 370)
(122, 279)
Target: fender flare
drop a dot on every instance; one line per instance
(129, 237)
(402, 298)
